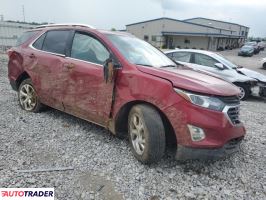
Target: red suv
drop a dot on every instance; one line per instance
(129, 87)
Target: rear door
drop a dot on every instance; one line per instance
(86, 93)
(45, 62)
(182, 57)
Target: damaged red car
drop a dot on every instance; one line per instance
(129, 87)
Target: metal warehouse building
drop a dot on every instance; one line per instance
(9, 32)
(198, 33)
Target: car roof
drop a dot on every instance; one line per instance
(79, 26)
(191, 50)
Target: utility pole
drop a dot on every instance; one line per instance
(23, 12)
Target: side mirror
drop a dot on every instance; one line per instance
(109, 68)
(219, 66)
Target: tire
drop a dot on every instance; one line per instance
(245, 91)
(264, 65)
(27, 97)
(146, 134)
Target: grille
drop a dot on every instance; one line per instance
(230, 100)
(233, 114)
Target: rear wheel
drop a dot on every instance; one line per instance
(28, 99)
(146, 134)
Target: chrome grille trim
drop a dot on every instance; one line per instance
(232, 114)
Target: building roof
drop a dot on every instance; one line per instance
(186, 20)
(200, 34)
(182, 21)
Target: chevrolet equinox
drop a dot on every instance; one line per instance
(129, 87)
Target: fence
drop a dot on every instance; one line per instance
(9, 33)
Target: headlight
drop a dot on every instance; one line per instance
(203, 101)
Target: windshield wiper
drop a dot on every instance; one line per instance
(144, 65)
(165, 66)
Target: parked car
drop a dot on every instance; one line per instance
(216, 64)
(246, 51)
(263, 63)
(254, 45)
(261, 45)
(129, 87)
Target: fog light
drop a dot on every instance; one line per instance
(197, 134)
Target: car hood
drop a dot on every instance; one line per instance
(252, 74)
(230, 75)
(188, 79)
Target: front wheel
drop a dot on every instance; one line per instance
(244, 91)
(146, 133)
(27, 96)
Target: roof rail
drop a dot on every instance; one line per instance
(67, 24)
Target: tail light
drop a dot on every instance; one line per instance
(10, 52)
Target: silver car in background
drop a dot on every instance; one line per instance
(248, 81)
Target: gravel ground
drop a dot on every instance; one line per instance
(93, 164)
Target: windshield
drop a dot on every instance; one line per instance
(246, 48)
(250, 43)
(225, 61)
(139, 52)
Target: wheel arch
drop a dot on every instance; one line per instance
(24, 75)
(121, 121)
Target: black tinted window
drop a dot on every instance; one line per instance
(89, 49)
(55, 41)
(25, 37)
(39, 42)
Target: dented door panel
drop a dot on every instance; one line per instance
(45, 70)
(86, 94)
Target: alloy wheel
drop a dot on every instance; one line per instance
(242, 93)
(27, 97)
(137, 133)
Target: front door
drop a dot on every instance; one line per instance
(86, 93)
(207, 63)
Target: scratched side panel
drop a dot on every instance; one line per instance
(86, 94)
(135, 85)
(45, 71)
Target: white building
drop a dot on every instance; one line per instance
(198, 33)
(10, 31)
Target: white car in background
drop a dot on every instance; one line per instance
(248, 81)
(263, 63)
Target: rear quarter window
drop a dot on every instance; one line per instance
(25, 37)
(39, 42)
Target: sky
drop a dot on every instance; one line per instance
(107, 14)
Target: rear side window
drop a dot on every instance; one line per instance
(25, 37)
(182, 56)
(55, 41)
(89, 49)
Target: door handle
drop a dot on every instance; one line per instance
(69, 65)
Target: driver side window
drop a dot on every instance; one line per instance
(89, 49)
(201, 59)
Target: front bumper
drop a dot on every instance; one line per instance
(187, 153)
(259, 90)
(220, 129)
(245, 53)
